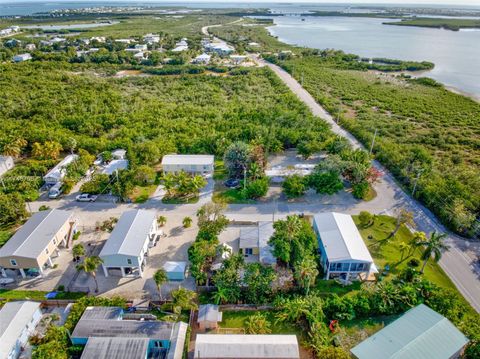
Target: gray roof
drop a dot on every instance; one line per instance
(248, 237)
(14, 317)
(421, 333)
(265, 232)
(175, 267)
(245, 346)
(341, 238)
(203, 160)
(116, 348)
(102, 313)
(130, 233)
(88, 328)
(209, 313)
(34, 236)
(177, 342)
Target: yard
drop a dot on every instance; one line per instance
(141, 194)
(5, 235)
(36, 294)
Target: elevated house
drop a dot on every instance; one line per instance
(34, 245)
(6, 164)
(420, 333)
(246, 346)
(106, 333)
(56, 174)
(195, 164)
(253, 243)
(127, 246)
(17, 323)
(343, 252)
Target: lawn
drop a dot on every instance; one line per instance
(333, 287)
(141, 194)
(228, 195)
(36, 294)
(220, 172)
(177, 200)
(387, 252)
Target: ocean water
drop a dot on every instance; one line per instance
(456, 54)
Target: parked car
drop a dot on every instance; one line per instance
(86, 197)
(55, 191)
(232, 183)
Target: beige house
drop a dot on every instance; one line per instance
(208, 316)
(34, 245)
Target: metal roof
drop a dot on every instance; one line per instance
(265, 232)
(14, 317)
(102, 313)
(116, 348)
(341, 238)
(130, 233)
(203, 160)
(246, 346)
(175, 267)
(209, 313)
(34, 236)
(115, 165)
(59, 170)
(421, 333)
(177, 341)
(248, 237)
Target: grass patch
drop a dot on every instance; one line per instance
(220, 172)
(177, 200)
(141, 194)
(5, 235)
(333, 287)
(387, 252)
(37, 294)
(370, 195)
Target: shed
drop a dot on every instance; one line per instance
(175, 270)
(6, 164)
(246, 346)
(208, 316)
(421, 333)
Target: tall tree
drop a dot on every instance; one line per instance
(306, 273)
(160, 278)
(404, 217)
(433, 246)
(78, 250)
(90, 266)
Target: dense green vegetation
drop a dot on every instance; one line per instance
(449, 24)
(425, 132)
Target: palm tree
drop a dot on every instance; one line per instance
(187, 222)
(404, 217)
(293, 225)
(184, 298)
(220, 296)
(160, 278)
(257, 324)
(255, 171)
(78, 250)
(433, 246)
(403, 247)
(90, 266)
(306, 273)
(161, 220)
(14, 148)
(414, 242)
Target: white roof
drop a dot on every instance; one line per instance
(180, 48)
(34, 236)
(130, 233)
(14, 317)
(209, 313)
(115, 165)
(265, 232)
(203, 57)
(341, 238)
(188, 160)
(246, 346)
(175, 267)
(282, 171)
(58, 171)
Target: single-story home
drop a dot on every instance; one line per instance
(219, 47)
(56, 174)
(175, 270)
(22, 57)
(114, 166)
(6, 164)
(107, 335)
(151, 38)
(128, 243)
(34, 244)
(202, 59)
(343, 252)
(238, 59)
(208, 316)
(119, 154)
(199, 164)
(141, 47)
(420, 333)
(17, 323)
(253, 242)
(246, 346)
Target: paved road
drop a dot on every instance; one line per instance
(458, 263)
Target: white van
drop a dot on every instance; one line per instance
(55, 191)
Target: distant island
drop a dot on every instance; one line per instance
(448, 24)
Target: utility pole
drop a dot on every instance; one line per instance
(416, 182)
(373, 140)
(302, 79)
(244, 177)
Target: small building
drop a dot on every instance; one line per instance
(34, 244)
(343, 252)
(198, 164)
(237, 59)
(141, 47)
(57, 173)
(125, 41)
(6, 164)
(246, 346)
(202, 59)
(208, 316)
(420, 333)
(107, 334)
(180, 48)
(219, 47)
(30, 47)
(98, 38)
(151, 39)
(17, 323)
(114, 166)
(175, 270)
(22, 57)
(119, 154)
(253, 242)
(128, 244)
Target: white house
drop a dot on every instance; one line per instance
(202, 59)
(219, 47)
(343, 252)
(141, 47)
(6, 163)
(180, 48)
(119, 154)
(57, 173)
(151, 38)
(30, 47)
(128, 244)
(238, 59)
(253, 243)
(17, 323)
(202, 164)
(22, 57)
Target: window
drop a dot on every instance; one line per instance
(13, 262)
(248, 251)
(54, 241)
(129, 261)
(46, 251)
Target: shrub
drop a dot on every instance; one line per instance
(61, 288)
(294, 186)
(256, 189)
(366, 218)
(325, 182)
(360, 190)
(413, 262)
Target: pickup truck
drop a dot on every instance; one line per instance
(86, 197)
